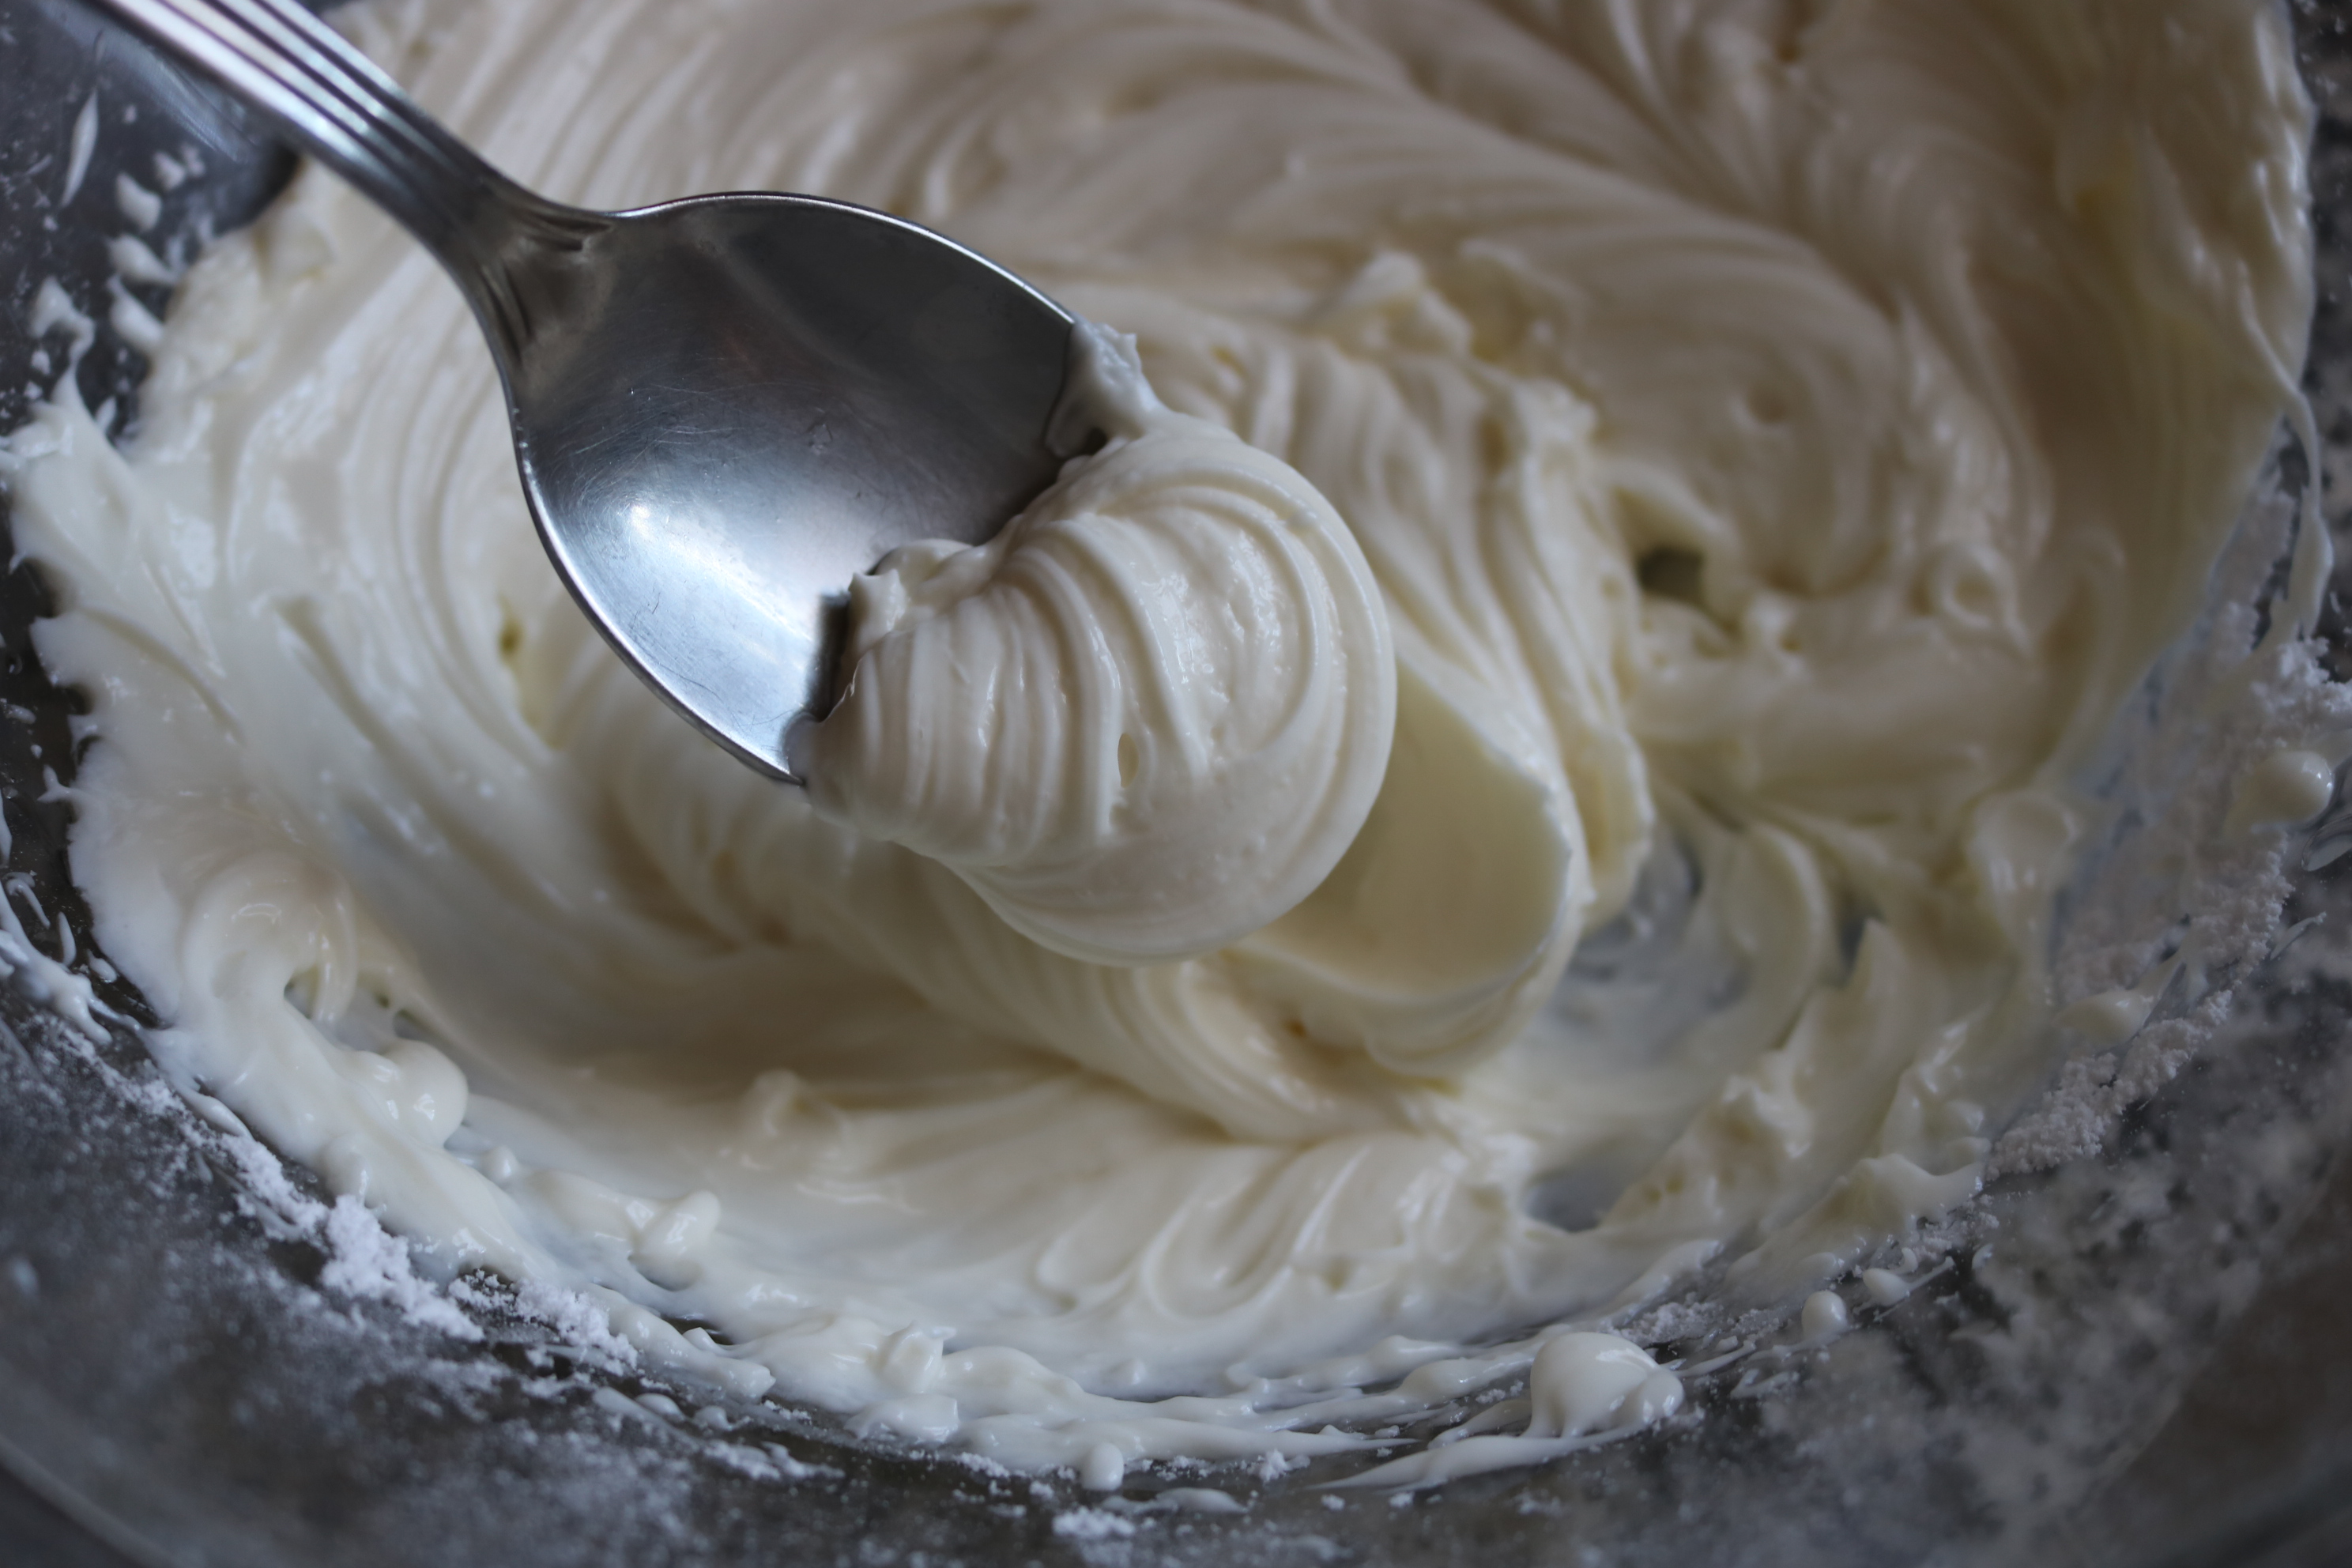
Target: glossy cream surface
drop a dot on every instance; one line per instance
(1744, 452)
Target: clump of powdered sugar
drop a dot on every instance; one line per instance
(365, 1261)
(1091, 1524)
(576, 1319)
(266, 1194)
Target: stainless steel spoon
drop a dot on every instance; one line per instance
(723, 407)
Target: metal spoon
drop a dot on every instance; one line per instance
(723, 407)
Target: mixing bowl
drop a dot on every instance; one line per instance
(2129, 1358)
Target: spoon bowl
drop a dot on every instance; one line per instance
(723, 407)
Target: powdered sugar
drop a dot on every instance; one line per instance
(367, 1261)
(1092, 1524)
(2173, 884)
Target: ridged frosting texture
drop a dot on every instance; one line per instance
(1780, 437)
(1147, 718)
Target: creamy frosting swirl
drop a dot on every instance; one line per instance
(1144, 721)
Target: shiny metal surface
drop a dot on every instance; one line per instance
(723, 407)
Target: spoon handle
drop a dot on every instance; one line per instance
(347, 113)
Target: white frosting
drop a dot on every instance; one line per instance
(1779, 445)
(1147, 718)
(1824, 1317)
(2284, 787)
(1886, 1287)
(1584, 1383)
(2112, 1016)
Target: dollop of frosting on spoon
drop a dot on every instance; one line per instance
(1147, 718)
